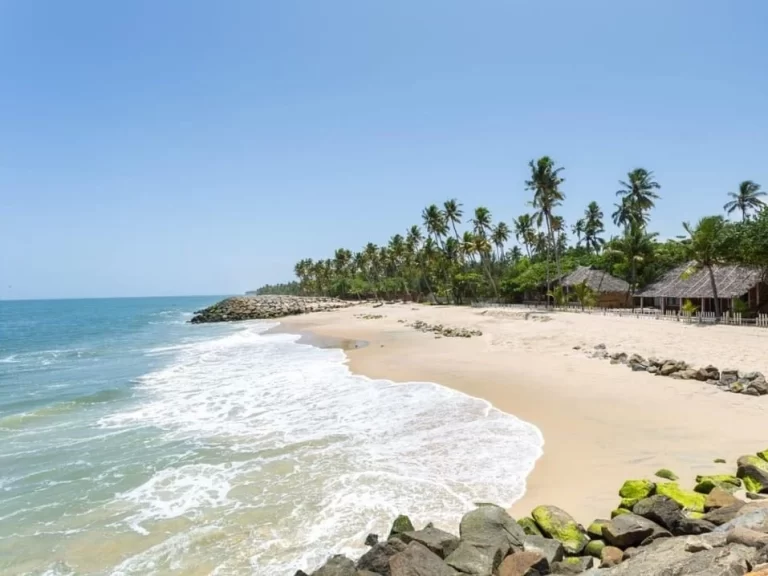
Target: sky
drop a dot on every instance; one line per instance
(189, 147)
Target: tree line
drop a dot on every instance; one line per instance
(457, 255)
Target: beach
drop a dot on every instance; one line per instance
(601, 423)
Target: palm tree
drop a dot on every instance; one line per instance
(434, 222)
(640, 189)
(578, 229)
(746, 199)
(705, 249)
(499, 236)
(483, 248)
(481, 221)
(635, 246)
(452, 213)
(545, 182)
(467, 244)
(593, 227)
(524, 231)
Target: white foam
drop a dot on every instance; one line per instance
(319, 455)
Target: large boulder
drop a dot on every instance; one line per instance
(668, 369)
(595, 530)
(440, 542)
(753, 471)
(529, 526)
(401, 524)
(377, 558)
(550, 549)
(573, 565)
(490, 526)
(637, 489)
(753, 516)
(719, 498)
(417, 560)
(720, 516)
(474, 560)
(524, 564)
(594, 548)
(558, 524)
(338, 565)
(687, 499)
(632, 530)
(610, 556)
(705, 484)
(667, 513)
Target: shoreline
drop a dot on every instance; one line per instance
(601, 424)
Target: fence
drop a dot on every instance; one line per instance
(728, 318)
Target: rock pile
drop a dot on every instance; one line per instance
(658, 529)
(727, 380)
(369, 316)
(265, 307)
(444, 330)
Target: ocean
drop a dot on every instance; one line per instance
(135, 443)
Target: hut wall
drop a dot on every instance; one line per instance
(613, 300)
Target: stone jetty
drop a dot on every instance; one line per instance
(265, 307)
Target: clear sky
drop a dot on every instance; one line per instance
(184, 147)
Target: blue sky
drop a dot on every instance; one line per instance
(182, 147)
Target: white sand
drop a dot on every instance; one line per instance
(601, 423)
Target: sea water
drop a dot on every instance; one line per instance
(133, 442)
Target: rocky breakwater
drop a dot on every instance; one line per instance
(658, 529)
(265, 307)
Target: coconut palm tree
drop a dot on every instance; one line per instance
(434, 222)
(704, 247)
(635, 245)
(640, 189)
(545, 183)
(499, 237)
(483, 248)
(524, 231)
(467, 244)
(578, 229)
(452, 213)
(746, 199)
(593, 227)
(481, 222)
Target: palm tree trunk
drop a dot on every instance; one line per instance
(426, 280)
(490, 277)
(714, 290)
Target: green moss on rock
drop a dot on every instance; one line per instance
(638, 489)
(695, 515)
(628, 503)
(529, 527)
(558, 524)
(594, 548)
(595, 530)
(752, 484)
(619, 512)
(763, 455)
(728, 482)
(719, 460)
(688, 499)
(401, 524)
(666, 474)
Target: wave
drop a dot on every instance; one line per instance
(22, 419)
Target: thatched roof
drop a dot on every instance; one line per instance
(732, 281)
(598, 280)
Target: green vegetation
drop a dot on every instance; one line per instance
(666, 474)
(458, 255)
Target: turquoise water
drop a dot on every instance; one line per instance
(132, 442)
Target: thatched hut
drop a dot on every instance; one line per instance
(611, 292)
(732, 281)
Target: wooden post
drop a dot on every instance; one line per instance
(663, 305)
(641, 304)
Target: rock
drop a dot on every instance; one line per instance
(757, 387)
(668, 369)
(371, 539)
(719, 460)
(367, 573)
(736, 387)
(628, 502)
(753, 516)
(747, 537)
(594, 548)
(705, 542)
(638, 367)
(550, 549)
(558, 524)
(595, 530)
(377, 558)
(754, 473)
(688, 374)
(667, 513)
(666, 474)
(611, 556)
(265, 307)
(719, 498)
(529, 526)
(416, 560)
(573, 565)
(728, 376)
(686, 498)
(763, 455)
(707, 373)
(749, 376)
(637, 359)
(652, 369)
(401, 524)
(491, 527)
(436, 540)
(632, 530)
(619, 511)
(300, 573)
(753, 496)
(653, 361)
(630, 553)
(600, 347)
(637, 489)
(470, 559)
(721, 516)
(338, 565)
(524, 564)
(726, 482)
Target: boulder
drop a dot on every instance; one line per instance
(728, 376)
(573, 565)
(659, 509)
(558, 524)
(595, 530)
(719, 498)
(529, 526)
(727, 482)
(417, 560)
(754, 472)
(632, 530)
(666, 474)
(721, 516)
(736, 387)
(668, 369)
(377, 558)
(707, 373)
(490, 527)
(652, 370)
(524, 564)
(705, 542)
(619, 512)
(401, 524)
(637, 489)
(610, 556)
(371, 539)
(747, 537)
(753, 516)
(436, 540)
(594, 548)
(473, 560)
(686, 498)
(550, 549)
(763, 455)
(757, 387)
(338, 565)
(688, 374)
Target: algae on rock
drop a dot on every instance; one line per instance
(558, 524)
(688, 499)
(637, 489)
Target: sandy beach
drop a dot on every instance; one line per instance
(601, 423)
